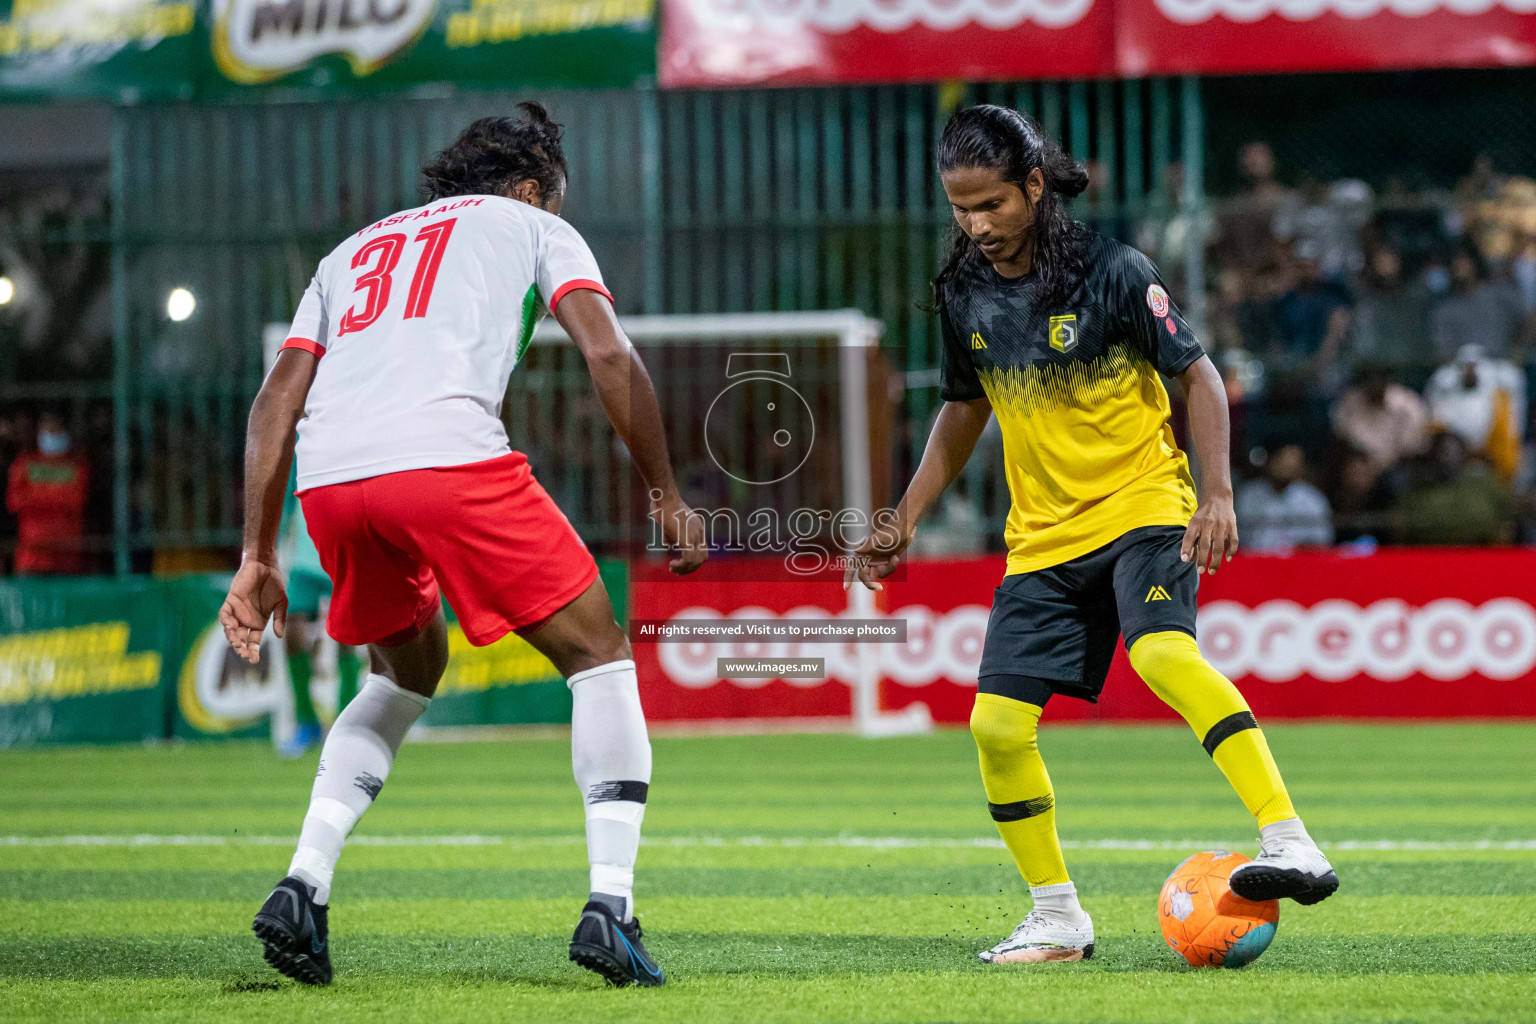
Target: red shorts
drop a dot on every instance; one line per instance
(503, 552)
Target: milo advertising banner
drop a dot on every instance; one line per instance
(384, 44)
(103, 661)
(129, 50)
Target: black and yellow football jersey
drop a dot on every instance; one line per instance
(1084, 415)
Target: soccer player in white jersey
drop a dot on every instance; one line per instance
(393, 375)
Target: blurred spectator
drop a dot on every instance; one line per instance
(1171, 231)
(1382, 420)
(1478, 312)
(1312, 316)
(1522, 273)
(1479, 184)
(1481, 401)
(1391, 318)
(47, 490)
(1361, 497)
(1246, 254)
(1500, 220)
(1410, 222)
(1328, 219)
(1246, 225)
(1482, 182)
(1238, 316)
(1436, 276)
(1456, 501)
(1282, 511)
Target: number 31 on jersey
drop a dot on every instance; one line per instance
(381, 256)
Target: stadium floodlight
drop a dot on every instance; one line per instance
(7, 290)
(180, 304)
(853, 334)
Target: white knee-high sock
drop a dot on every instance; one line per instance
(611, 757)
(353, 766)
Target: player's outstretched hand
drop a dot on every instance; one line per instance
(683, 529)
(876, 558)
(255, 596)
(1212, 535)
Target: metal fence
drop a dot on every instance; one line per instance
(694, 202)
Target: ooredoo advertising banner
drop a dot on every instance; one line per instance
(1213, 37)
(944, 605)
(1397, 634)
(740, 42)
(743, 42)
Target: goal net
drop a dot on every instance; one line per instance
(777, 442)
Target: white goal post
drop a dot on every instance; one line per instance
(854, 335)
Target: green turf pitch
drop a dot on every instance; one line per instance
(795, 878)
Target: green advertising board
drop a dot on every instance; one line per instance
(106, 660)
(128, 50)
(84, 661)
(509, 682)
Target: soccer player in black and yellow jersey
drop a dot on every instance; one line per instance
(1062, 334)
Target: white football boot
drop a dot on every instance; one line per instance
(1286, 868)
(1040, 938)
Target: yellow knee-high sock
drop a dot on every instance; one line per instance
(1171, 664)
(1018, 789)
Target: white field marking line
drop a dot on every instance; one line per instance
(788, 842)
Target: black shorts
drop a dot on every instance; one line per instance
(1054, 630)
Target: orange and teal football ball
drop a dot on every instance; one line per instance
(1208, 924)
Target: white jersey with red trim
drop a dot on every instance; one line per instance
(418, 321)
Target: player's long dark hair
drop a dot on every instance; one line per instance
(495, 153)
(1008, 142)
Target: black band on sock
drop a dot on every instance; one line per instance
(1022, 809)
(626, 790)
(1227, 727)
(1021, 688)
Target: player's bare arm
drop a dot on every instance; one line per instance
(1212, 534)
(955, 432)
(257, 593)
(625, 389)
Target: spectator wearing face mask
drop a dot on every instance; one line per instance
(1482, 402)
(1282, 511)
(47, 491)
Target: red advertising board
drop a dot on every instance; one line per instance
(784, 42)
(798, 42)
(1397, 634)
(1216, 37)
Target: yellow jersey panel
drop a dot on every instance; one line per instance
(1077, 394)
